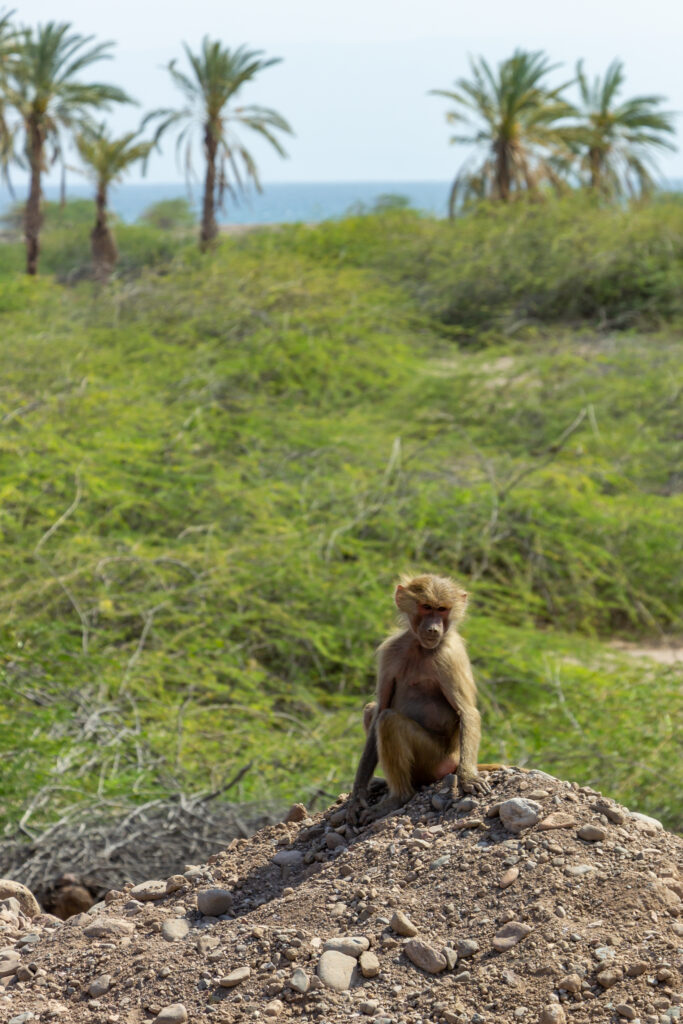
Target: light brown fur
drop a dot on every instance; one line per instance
(424, 722)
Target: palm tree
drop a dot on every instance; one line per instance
(43, 89)
(217, 75)
(514, 115)
(614, 139)
(9, 49)
(107, 159)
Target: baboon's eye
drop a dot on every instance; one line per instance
(442, 609)
(426, 607)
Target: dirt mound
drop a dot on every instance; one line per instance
(540, 903)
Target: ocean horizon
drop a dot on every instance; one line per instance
(278, 203)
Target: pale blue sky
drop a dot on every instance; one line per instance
(355, 75)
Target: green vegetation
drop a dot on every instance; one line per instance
(41, 85)
(214, 467)
(107, 159)
(210, 90)
(169, 215)
(533, 137)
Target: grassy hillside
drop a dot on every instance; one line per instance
(213, 469)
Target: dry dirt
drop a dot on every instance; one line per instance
(577, 918)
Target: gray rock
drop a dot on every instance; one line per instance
(333, 841)
(274, 1008)
(288, 858)
(466, 947)
(593, 833)
(609, 977)
(151, 890)
(175, 1013)
(653, 823)
(25, 898)
(369, 965)
(214, 902)
(99, 986)
(235, 977)
(510, 934)
(518, 813)
(22, 1018)
(425, 956)
(570, 983)
(402, 925)
(508, 877)
(337, 970)
(300, 981)
(369, 1006)
(552, 1014)
(175, 928)
(578, 870)
(625, 1011)
(108, 928)
(351, 945)
(9, 964)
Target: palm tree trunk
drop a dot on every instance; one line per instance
(595, 163)
(33, 215)
(502, 170)
(102, 244)
(209, 228)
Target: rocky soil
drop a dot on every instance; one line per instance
(541, 903)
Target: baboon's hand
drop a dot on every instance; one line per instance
(356, 808)
(471, 782)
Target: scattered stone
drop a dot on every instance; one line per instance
(635, 970)
(648, 823)
(552, 1014)
(510, 876)
(592, 833)
(625, 1011)
(451, 957)
(152, 890)
(402, 925)
(9, 964)
(297, 812)
(336, 970)
(609, 977)
(578, 870)
(558, 819)
(333, 841)
(570, 983)
(175, 928)
(466, 947)
(369, 965)
(300, 981)
(351, 945)
(175, 882)
(288, 858)
(273, 1008)
(235, 977)
(173, 1014)
(510, 934)
(518, 813)
(108, 928)
(100, 986)
(425, 956)
(28, 904)
(214, 902)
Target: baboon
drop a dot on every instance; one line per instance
(424, 722)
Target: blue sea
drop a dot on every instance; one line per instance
(278, 203)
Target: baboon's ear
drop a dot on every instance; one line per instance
(464, 595)
(397, 596)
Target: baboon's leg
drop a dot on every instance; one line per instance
(408, 754)
(368, 714)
